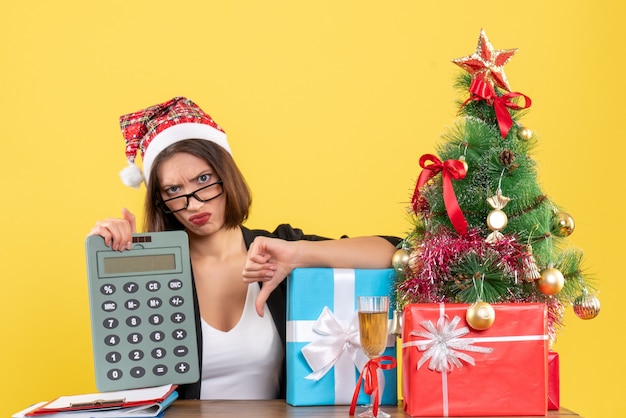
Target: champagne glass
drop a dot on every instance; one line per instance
(373, 329)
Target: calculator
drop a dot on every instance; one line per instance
(142, 312)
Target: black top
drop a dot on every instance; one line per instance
(277, 301)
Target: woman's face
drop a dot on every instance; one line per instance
(183, 174)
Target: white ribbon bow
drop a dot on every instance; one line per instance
(442, 343)
(335, 341)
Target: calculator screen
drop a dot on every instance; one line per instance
(139, 264)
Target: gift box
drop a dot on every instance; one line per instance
(554, 390)
(450, 369)
(323, 354)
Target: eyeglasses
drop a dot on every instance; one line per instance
(203, 194)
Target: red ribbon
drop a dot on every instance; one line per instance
(482, 90)
(451, 169)
(370, 377)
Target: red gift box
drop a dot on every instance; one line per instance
(449, 369)
(554, 401)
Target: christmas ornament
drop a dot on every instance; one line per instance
(396, 323)
(563, 224)
(524, 134)
(450, 170)
(507, 159)
(531, 271)
(415, 262)
(486, 66)
(400, 260)
(479, 89)
(487, 63)
(462, 160)
(586, 306)
(497, 219)
(551, 281)
(480, 315)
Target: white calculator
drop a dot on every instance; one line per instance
(142, 312)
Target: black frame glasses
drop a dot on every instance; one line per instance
(163, 203)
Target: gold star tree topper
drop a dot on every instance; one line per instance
(487, 62)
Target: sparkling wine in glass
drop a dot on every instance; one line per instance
(373, 330)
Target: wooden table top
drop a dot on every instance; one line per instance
(278, 408)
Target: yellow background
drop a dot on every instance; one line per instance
(328, 106)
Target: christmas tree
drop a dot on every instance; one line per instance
(483, 231)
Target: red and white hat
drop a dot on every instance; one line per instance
(151, 130)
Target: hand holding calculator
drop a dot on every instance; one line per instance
(142, 312)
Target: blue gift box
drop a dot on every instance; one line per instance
(324, 356)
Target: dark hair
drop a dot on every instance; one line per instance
(236, 191)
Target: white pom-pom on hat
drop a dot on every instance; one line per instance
(131, 175)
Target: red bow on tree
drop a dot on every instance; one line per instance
(483, 90)
(451, 169)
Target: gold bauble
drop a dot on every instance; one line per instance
(497, 220)
(524, 133)
(563, 224)
(480, 315)
(586, 306)
(400, 260)
(551, 281)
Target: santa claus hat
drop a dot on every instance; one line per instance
(150, 131)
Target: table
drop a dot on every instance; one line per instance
(278, 408)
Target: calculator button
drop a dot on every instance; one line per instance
(181, 351)
(153, 286)
(175, 284)
(155, 319)
(155, 303)
(110, 323)
(114, 374)
(135, 355)
(113, 357)
(132, 304)
(177, 317)
(159, 369)
(111, 340)
(131, 287)
(133, 321)
(177, 301)
(134, 338)
(109, 306)
(182, 367)
(179, 334)
(157, 336)
(137, 372)
(107, 289)
(158, 352)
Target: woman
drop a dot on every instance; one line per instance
(193, 184)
